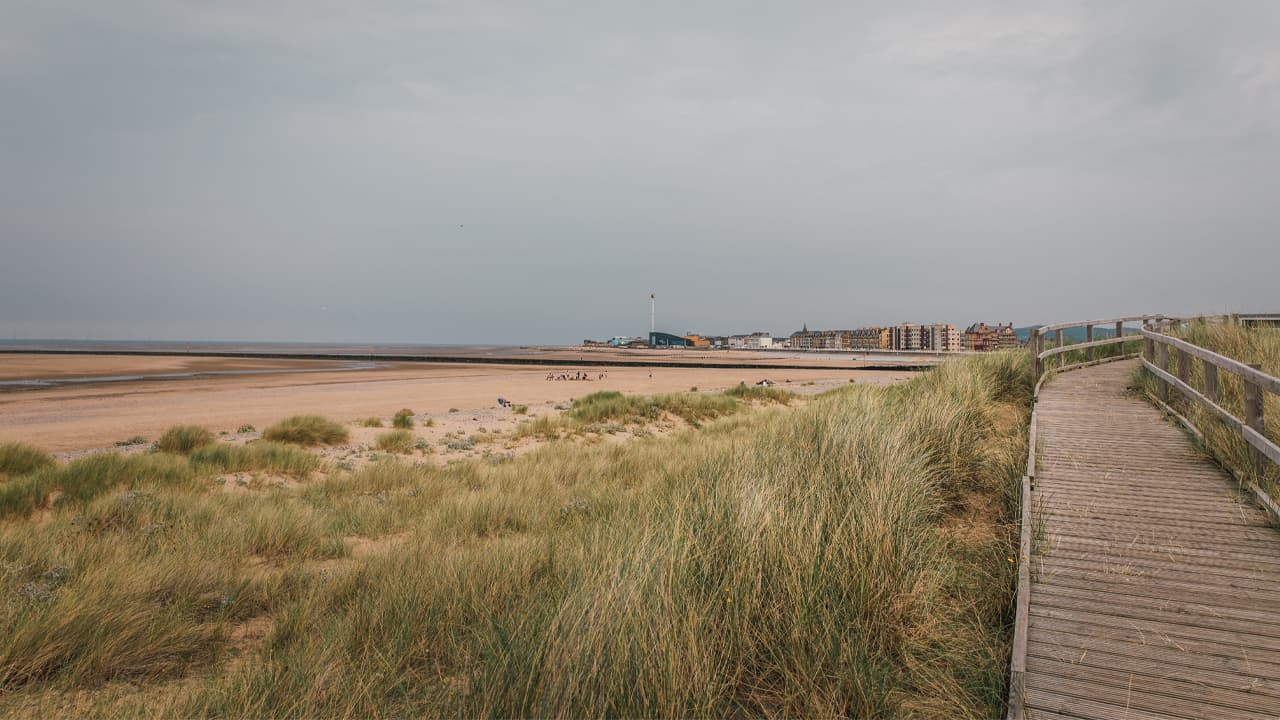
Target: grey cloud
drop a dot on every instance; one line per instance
(529, 172)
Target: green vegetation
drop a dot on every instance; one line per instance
(849, 557)
(743, 391)
(261, 455)
(135, 440)
(403, 419)
(397, 441)
(372, 422)
(307, 430)
(1247, 345)
(246, 429)
(21, 459)
(520, 409)
(611, 405)
(182, 439)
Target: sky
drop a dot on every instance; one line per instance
(529, 172)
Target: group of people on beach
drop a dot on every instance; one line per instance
(580, 375)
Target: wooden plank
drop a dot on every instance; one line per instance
(1128, 700)
(1217, 660)
(1194, 687)
(1208, 652)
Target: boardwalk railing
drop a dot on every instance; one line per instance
(1040, 356)
(1156, 358)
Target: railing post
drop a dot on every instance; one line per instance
(1253, 417)
(1211, 381)
(1162, 362)
(1148, 344)
(1088, 337)
(1033, 342)
(1062, 357)
(1120, 333)
(1184, 370)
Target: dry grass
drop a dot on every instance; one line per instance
(307, 430)
(182, 439)
(397, 441)
(816, 561)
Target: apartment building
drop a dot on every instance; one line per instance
(935, 336)
(982, 337)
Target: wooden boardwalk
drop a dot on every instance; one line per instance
(1155, 585)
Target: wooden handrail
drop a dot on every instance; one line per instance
(1221, 361)
(1253, 427)
(1120, 340)
(1046, 329)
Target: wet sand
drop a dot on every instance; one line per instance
(92, 416)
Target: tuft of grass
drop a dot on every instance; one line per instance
(246, 429)
(261, 455)
(611, 405)
(743, 391)
(693, 389)
(17, 459)
(545, 427)
(371, 422)
(135, 440)
(397, 441)
(403, 419)
(182, 439)
(307, 430)
(520, 409)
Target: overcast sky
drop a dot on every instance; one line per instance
(530, 171)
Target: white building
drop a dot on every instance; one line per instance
(754, 341)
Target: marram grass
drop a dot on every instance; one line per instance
(849, 557)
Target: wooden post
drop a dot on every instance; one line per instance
(1253, 417)
(1184, 369)
(1162, 362)
(1033, 342)
(1088, 337)
(1062, 358)
(1211, 381)
(1120, 333)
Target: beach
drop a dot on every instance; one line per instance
(74, 417)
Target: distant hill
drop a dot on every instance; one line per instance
(1073, 335)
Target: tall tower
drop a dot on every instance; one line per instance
(653, 301)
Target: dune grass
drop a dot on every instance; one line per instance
(1247, 345)
(371, 422)
(849, 557)
(403, 419)
(610, 405)
(261, 455)
(397, 441)
(182, 439)
(307, 430)
(18, 459)
(743, 391)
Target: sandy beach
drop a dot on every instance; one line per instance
(77, 417)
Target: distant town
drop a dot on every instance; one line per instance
(935, 337)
